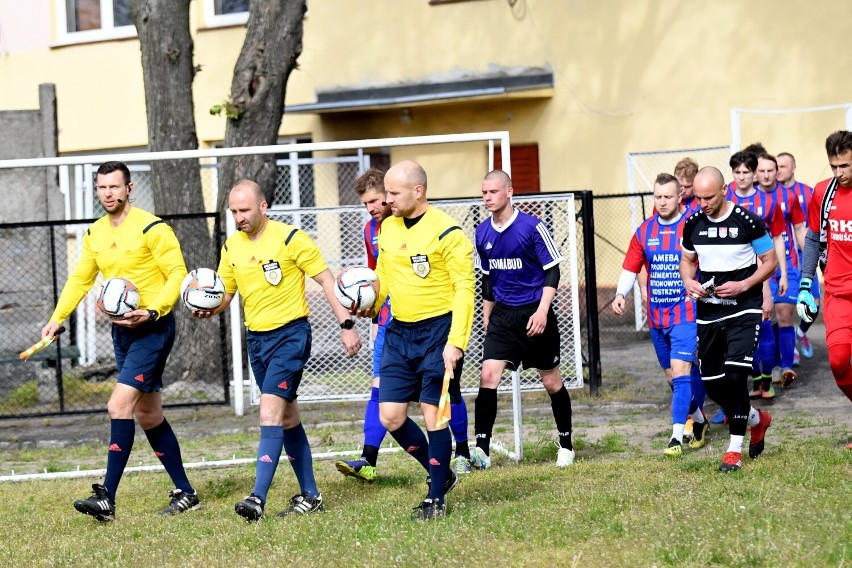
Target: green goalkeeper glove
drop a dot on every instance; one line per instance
(805, 304)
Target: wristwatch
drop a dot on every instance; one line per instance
(347, 324)
(155, 315)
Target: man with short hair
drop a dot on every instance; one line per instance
(267, 261)
(134, 244)
(685, 171)
(425, 266)
(671, 313)
(829, 244)
(370, 188)
(520, 264)
(746, 195)
(804, 193)
(783, 292)
(736, 256)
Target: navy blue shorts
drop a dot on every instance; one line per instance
(278, 357)
(413, 361)
(141, 352)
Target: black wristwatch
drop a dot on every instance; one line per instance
(347, 324)
(154, 315)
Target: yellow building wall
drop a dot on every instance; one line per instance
(629, 76)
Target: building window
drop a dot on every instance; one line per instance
(93, 20)
(225, 12)
(524, 159)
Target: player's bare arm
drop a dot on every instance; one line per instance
(688, 267)
(204, 314)
(767, 263)
(538, 321)
(350, 338)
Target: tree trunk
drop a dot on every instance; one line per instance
(272, 46)
(167, 66)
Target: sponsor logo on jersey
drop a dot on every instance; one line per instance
(734, 232)
(712, 232)
(723, 232)
(488, 246)
(505, 264)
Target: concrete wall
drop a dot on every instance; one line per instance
(30, 194)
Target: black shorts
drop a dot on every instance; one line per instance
(729, 341)
(507, 339)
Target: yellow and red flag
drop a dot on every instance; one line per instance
(444, 406)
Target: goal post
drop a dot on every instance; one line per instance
(338, 230)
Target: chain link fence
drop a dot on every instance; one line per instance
(329, 375)
(77, 372)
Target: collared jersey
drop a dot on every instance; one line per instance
(838, 268)
(371, 242)
(656, 247)
(515, 257)
(427, 270)
(270, 273)
(142, 249)
(727, 250)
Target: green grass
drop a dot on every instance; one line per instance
(80, 391)
(617, 506)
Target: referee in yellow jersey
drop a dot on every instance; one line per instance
(133, 244)
(267, 261)
(425, 265)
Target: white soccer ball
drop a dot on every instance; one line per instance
(356, 288)
(202, 289)
(117, 297)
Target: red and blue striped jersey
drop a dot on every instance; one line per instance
(656, 246)
(371, 241)
(804, 193)
(793, 214)
(765, 206)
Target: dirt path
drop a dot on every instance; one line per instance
(634, 401)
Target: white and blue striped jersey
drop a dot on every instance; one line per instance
(515, 257)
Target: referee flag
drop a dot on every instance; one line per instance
(444, 403)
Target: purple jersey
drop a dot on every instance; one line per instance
(656, 247)
(515, 257)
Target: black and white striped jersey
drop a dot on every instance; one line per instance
(727, 250)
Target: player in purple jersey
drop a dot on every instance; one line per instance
(671, 314)
(787, 177)
(736, 256)
(520, 264)
(370, 187)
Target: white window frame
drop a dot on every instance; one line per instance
(214, 20)
(106, 32)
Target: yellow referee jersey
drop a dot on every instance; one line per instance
(270, 273)
(428, 271)
(143, 249)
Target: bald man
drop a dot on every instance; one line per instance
(267, 261)
(736, 257)
(425, 265)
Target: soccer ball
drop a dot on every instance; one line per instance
(202, 289)
(117, 297)
(356, 288)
